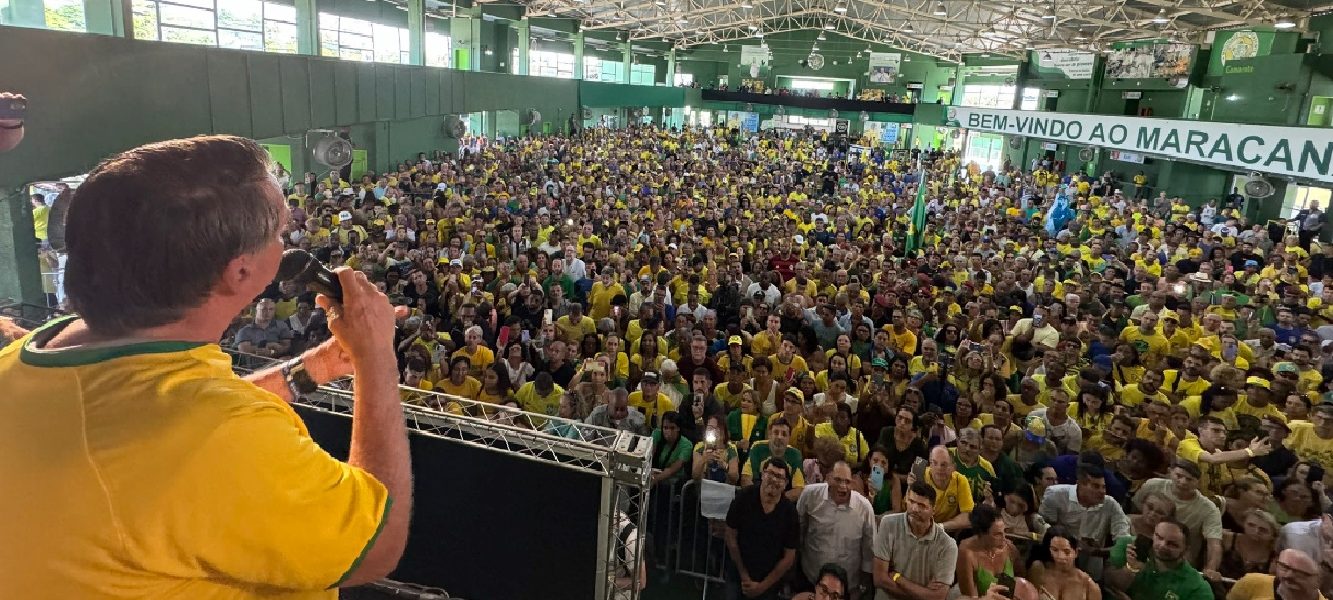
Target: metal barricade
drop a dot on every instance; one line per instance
(701, 550)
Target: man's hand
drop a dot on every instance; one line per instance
(1261, 446)
(10, 331)
(996, 592)
(11, 130)
(327, 362)
(364, 322)
(749, 587)
(1132, 560)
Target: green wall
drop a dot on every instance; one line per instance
(92, 96)
(707, 63)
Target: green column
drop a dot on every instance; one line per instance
(109, 17)
(307, 27)
(524, 31)
(24, 13)
(671, 67)
(1020, 82)
(20, 276)
(416, 32)
(578, 55)
(627, 59)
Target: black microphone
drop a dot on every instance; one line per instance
(299, 266)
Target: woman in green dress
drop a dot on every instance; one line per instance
(988, 556)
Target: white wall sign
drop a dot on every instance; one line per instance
(1073, 64)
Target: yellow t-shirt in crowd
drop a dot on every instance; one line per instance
(1309, 446)
(470, 388)
(40, 218)
(953, 499)
(482, 358)
(152, 467)
(531, 401)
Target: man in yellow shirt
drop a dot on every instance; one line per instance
(1206, 451)
(953, 493)
(650, 400)
(40, 217)
(1145, 337)
(1313, 440)
(148, 467)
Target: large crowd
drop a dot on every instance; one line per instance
(1131, 400)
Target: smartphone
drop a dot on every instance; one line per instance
(526, 336)
(14, 108)
(1007, 581)
(548, 316)
(1316, 473)
(502, 338)
(1038, 320)
(876, 478)
(791, 375)
(1143, 547)
(919, 468)
(698, 399)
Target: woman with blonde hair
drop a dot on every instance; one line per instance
(1252, 549)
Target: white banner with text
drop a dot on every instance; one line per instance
(1297, 151)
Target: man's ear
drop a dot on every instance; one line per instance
(238, 275)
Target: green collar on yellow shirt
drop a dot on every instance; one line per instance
(33, 354)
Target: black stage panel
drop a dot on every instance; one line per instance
(488, 525)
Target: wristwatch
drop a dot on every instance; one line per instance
(299, 381)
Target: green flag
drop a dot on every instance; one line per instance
(917, 226)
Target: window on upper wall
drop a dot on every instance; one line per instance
(989, 96)
(684, 79)
(613, 71)
(439, 50)
(551, 64)
(65, 15)
(643, 74)
(361, 40)
(239, 24)
(592, 68)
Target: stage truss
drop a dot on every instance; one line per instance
(621, 459)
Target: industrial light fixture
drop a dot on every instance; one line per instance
(487, 51)
(814, 48)
(763, 45)
(660, 2)
(985, 55)
(1161, 19)
(746, 5)
(1050, 13)
(828, 25)
(1284, 22)
(840, 7)
(682, 21)
(821, 37)
(940, 10)
(907, 28)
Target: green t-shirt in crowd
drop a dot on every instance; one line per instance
(1181, 583)
(664, 456)
(760, 452)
